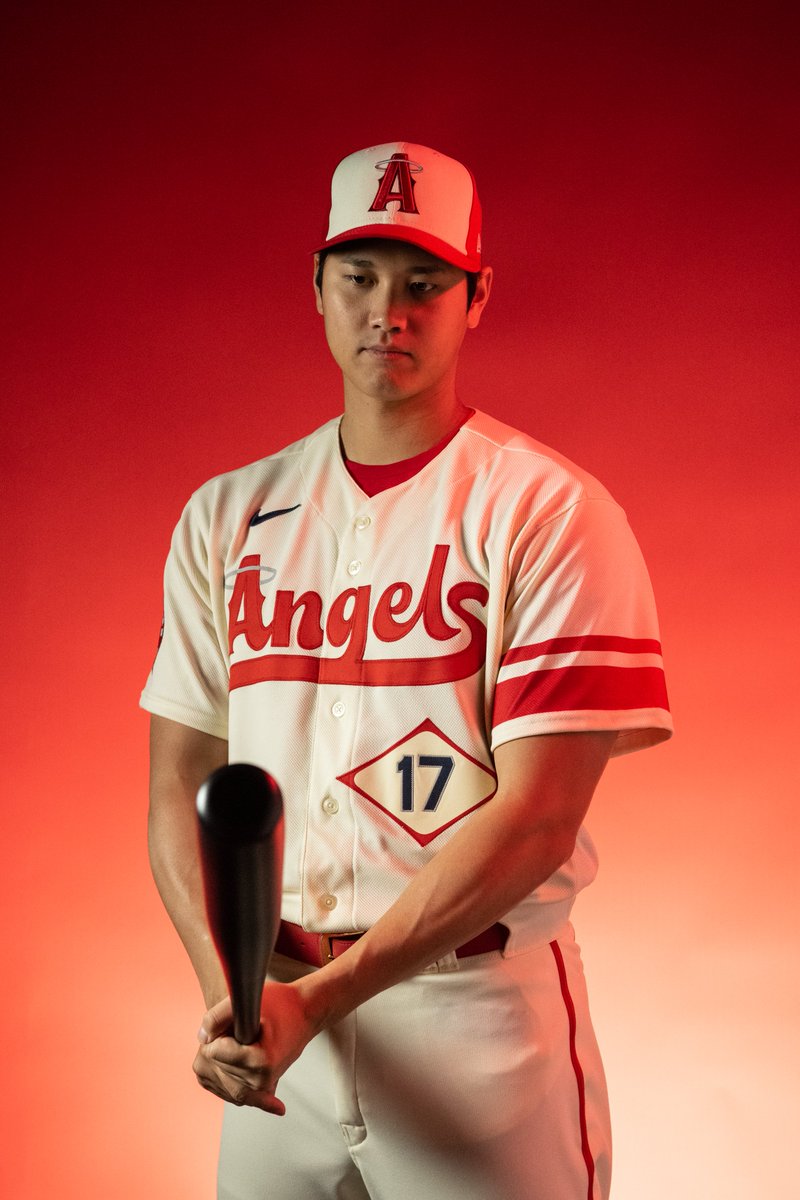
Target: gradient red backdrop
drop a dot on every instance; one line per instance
(166, 173)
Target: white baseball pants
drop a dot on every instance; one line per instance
(478, 1083)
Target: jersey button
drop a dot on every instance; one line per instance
(330, 805)
(338, 708)
(362, 522)
(329, 902)
(354, 567)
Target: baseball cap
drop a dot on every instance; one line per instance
(407, 193)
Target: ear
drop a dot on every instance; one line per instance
(482, 290)
(317, 291)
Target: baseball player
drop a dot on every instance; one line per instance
(433, 631)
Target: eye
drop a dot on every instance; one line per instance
(356, 280)
(422, 286)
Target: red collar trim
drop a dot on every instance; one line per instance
(373, 479)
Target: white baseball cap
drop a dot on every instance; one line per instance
(407, 193)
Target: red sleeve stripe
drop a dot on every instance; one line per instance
(589, 641)
(569, 689)
(581, 658)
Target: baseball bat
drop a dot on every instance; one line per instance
(240, 817)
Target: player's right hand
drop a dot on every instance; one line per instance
(249, 1075)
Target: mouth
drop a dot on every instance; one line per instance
(385, 353)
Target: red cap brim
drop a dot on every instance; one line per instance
(404, 233)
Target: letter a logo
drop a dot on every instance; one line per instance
(396, 184)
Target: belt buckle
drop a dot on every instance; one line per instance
(326, 941)
(326, 954)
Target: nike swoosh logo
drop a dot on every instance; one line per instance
(258, 517)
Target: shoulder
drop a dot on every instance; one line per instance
(537, 481)
(276, 476)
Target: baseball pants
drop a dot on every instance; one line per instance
(482, 1082)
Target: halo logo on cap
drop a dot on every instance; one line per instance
(397, 172)
(405, 192)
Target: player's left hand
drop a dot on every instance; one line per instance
(249, 1074)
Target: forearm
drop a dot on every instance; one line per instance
(469, 886)
(506, 850)
(180, 760)
(177, 877)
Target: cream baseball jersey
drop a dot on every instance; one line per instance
(371, 653)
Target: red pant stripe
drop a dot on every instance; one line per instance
(576, 1066)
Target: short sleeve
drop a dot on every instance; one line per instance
(188, 682)
(581, 647)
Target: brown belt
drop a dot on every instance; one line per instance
(316, 949)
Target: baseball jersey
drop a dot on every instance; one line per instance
(372, 652)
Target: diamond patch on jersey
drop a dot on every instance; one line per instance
(424, 782)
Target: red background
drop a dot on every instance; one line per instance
(166, 173)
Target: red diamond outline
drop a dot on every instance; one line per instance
(426, 726)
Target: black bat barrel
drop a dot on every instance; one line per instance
(240, 815)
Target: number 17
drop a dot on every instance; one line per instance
(405, 766)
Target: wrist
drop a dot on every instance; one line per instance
(326, 995)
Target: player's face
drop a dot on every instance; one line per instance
(395, 317)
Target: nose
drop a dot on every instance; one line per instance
(387, 312)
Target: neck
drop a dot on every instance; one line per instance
(379, 432)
